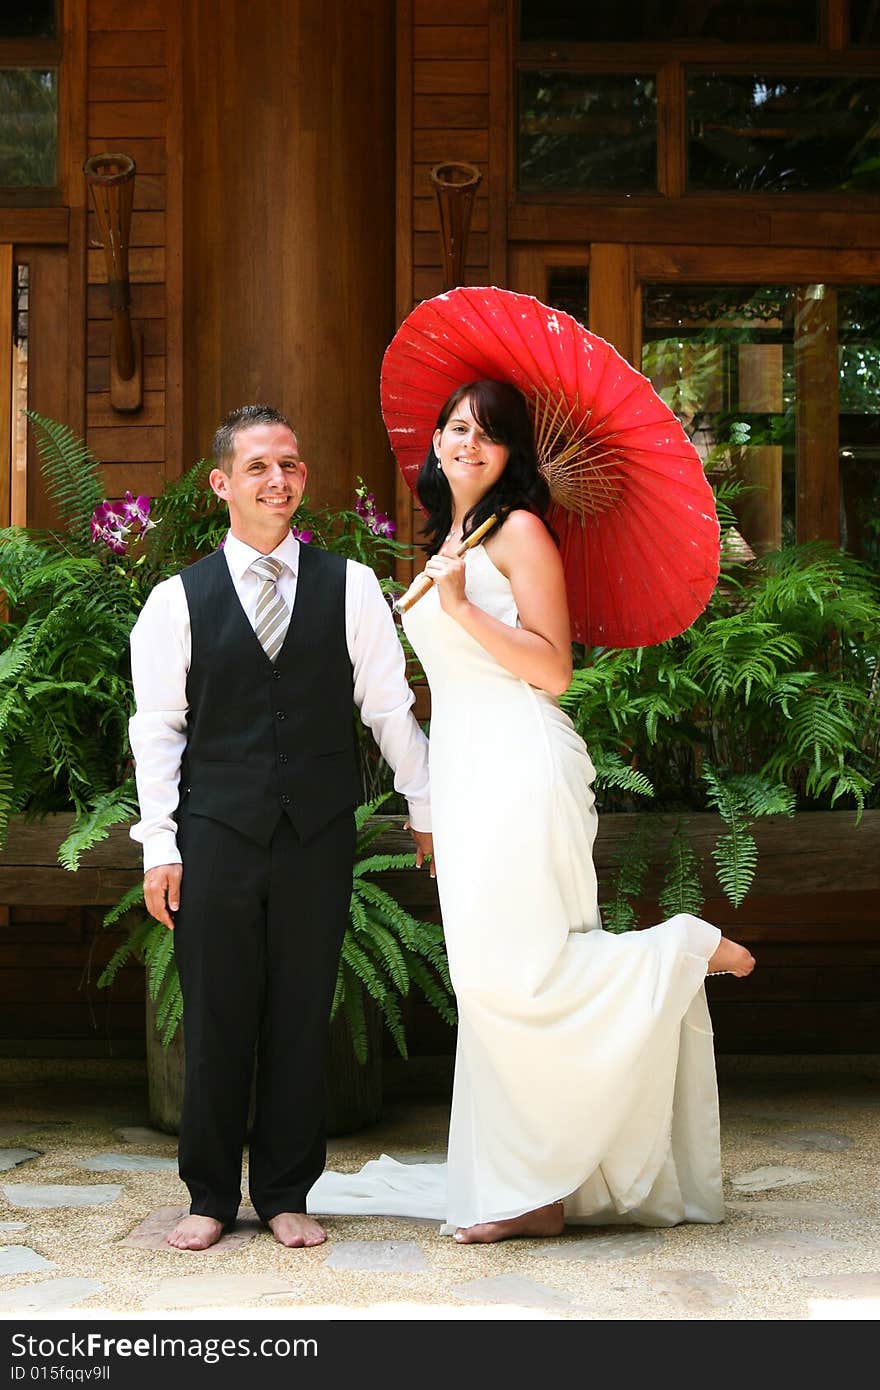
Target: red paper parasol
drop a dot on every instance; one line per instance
(634, 513)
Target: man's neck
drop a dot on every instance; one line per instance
(262, 542)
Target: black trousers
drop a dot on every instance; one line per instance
(257, 940)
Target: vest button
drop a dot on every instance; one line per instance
(285, 801)
(276, 675)
(279, 714)
(282, 757)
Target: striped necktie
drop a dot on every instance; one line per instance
(272, 614)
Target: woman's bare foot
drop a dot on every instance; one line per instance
(195, 1233)
(731, 959)
(294, 1229)
(544, 1221)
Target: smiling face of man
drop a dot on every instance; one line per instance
(264, 485)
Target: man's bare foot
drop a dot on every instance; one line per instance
(543, 1221)
(294, 1229)
(195, 1233)
(731, 959)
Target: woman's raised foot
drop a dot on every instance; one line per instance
(730, 958)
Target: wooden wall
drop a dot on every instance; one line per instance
(452, 83)
(289, 226)
(134, 99)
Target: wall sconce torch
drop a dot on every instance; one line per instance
(111, 182)
(455, 184)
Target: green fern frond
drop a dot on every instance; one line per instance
(383, 945)
(682, 890)
(438, 998)
(131, 946)
(72, 474)
(94, 823)
(158, 955)
(355, 1018)
(134, 897)
(612, 771)
(736, 859)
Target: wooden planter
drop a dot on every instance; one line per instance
(812, 918)
(30, 877)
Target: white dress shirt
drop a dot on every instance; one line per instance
(161, 646)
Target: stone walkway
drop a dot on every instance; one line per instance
(88, 1190)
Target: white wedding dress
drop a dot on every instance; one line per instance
(585, 1066)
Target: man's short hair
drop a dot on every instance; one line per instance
(223, 448)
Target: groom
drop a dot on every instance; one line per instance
(245, 667)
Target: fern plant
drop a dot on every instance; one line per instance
(768, 704)
(385, 950)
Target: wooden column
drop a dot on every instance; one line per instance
(816, 384)
(288, 226)
(615, 300)
(5, 382)
(760, 392)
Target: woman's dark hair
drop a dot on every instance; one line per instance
(499, 409)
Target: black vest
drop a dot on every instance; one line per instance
(262, 740)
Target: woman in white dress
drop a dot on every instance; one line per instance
(585, 1076)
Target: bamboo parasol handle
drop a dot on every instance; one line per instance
(423, 582)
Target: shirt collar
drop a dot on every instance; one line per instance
(240, 555)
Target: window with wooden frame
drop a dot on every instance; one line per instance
(717, 97)
(30, 62)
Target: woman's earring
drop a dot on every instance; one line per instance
(437, 461)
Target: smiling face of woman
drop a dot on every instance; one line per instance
(471, 461)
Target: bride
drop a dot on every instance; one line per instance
(585, 1077)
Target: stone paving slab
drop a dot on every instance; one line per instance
(692, 1290)
(129, 1163)
(213, 1290)
(767, 1178)
(151, 1232)
(141, 1134)
(515, 1289)
(378, 1256)
(13, 1129)
(60, 1195)
(21, 1259)
(800, 1210)
(11, 1158)
(794, 1243)
(600, 1248)
(866, 1285)
(51, 1294)
(826, 1141)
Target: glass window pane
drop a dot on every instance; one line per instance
(764, 134)
(751, 370)
(722, 358)
(731, 21)
(28, 128)
(29, 19)
(864, 23)
(568, 289)
(587, 132)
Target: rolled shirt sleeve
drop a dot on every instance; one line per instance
(381, 692)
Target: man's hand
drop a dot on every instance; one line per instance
(424, 843)
(162, 892)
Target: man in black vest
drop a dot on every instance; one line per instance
(245, 668)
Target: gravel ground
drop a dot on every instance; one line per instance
(805, 1249)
